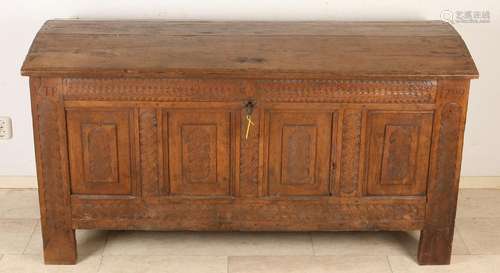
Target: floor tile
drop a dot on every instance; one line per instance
(459, 247)
(478, 203)
(15, 235)
(164, 264)
(364, 243)
(373, 243)
(17, 225)
(19, 204)
(89, 242)
(478, 219)
(459, 264)
(309, 264)
(208, 243)
(481, 235)
(34, 264)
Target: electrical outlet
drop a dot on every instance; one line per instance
(5, 128)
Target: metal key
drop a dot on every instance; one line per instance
(248, 111)
(249, 124)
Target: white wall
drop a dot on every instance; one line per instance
(21, 19)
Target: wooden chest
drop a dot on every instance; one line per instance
(248, 126)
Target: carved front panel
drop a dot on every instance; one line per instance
(100, 151)
(299, 153)
(198, 152)
(398, 152)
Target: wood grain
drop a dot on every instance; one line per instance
(299, 153)
(101, 147)
(249, 214)
(249, 50)
(199, 152)
(59, 245)
(350, 160)
(398, 152)
(149, 135)
(437, 236)
(353, 91)
(142, 125)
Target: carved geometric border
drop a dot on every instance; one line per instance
(354, 91)
(255, 212)
(135, 89)
(351, 142)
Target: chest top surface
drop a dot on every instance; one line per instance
(322, 50)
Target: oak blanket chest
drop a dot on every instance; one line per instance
(248, 126)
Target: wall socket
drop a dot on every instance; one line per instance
(5, 128)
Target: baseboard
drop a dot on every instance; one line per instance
(466, 182)
(480, 182)
(18, 182)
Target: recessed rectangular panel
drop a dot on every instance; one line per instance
(198, 152)
(299, 152)
(398, 152)
(100, 151)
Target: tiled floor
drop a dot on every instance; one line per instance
(476, 246)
